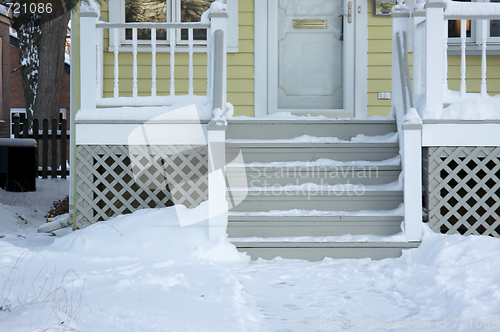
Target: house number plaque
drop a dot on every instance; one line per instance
(309, 24)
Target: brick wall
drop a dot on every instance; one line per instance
(5, 105)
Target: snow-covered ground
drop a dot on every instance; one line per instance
(143, 272)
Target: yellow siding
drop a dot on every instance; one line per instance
(473, 73)
(379, 62)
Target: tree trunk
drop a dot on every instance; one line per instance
(51, 68)
(28, 31)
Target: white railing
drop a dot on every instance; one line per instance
(215, 101)
(430, 82)
(409, 126)
(92, 64)
(430, 58)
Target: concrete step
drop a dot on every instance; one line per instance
(279, 129)
(278, 152)
(315, 251)
(260, 176)
(293, 226)
(346, 200)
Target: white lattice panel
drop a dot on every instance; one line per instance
(463, 190)
(119, 179)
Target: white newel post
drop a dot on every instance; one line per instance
(218, 31)
(418, 18)
(217, 204)
(88, 63)
(434, 56)
(412, 166)
(400, 16)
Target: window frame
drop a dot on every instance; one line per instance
(116, 14)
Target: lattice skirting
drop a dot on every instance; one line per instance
(463, 189)
(119, 179)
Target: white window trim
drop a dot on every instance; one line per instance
(116, 13)
(473, 43)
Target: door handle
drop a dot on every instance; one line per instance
(349, 12)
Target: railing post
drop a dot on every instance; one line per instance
(88, 63)
(217, 204)
(218, 31)
(400, 17)
(417, 17)
(434, 55)
(412, 172)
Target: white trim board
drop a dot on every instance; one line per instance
(141, 134)
(460, 134)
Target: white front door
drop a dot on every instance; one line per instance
(311, 56)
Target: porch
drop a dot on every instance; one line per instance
(152, 150)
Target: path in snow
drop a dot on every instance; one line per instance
(142, 272)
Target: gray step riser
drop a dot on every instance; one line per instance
(318, 253)
(240, 229)
(347, 201)
(342, 129)
(366, 175)
(340, 152)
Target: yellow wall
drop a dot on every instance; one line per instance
(240, 88)
(379, 61)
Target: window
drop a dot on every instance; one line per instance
(474, 31)
(156, 11)
(170, 11)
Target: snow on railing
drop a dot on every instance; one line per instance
(430, 61)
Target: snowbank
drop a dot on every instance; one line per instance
(472, 107)
(151, 234)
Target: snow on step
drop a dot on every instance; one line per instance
(325, 239)
(395, 161)
(360, 138)
(317, 213)
(314, 187)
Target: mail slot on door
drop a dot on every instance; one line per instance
(309, 24)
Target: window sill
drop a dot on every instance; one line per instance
(491, 49)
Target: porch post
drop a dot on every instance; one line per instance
(218, 31)
(400, 16)
(412, 173)
(88, 64)
(217, 204)
(418, 35)
(434, 55)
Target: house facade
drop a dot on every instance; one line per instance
(272, 60)
(253, 58)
